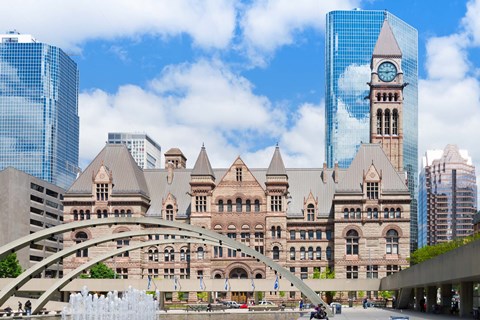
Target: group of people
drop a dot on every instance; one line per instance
(319, 312)
(28, 308)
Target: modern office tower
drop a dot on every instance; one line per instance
(146, 152)
(27, 205)
(448, 196)
(350, 40)
(39, 124)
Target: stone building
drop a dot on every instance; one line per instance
(355, 221)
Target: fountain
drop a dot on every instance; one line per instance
(133, 305)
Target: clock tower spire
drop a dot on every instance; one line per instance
(386, 96)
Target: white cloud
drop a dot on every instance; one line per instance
(354, 79)
(67, 24)
(449, 98)
(269, 24)
(203, 102)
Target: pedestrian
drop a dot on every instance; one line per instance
(28, 307)
(301, 305)
(365, 302)
(20, 307)
(422, 305)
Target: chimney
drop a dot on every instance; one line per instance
(169, 173)
(335, 172)
(324, 173)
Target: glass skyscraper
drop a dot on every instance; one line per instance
(39, 124)
(448, 196)
(350, 40)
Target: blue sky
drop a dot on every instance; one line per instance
(241, 76)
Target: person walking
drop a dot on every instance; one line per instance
(20, 307)
(28, 307)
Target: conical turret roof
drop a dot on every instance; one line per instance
(202, 165)
(387, 45)
(276, 167)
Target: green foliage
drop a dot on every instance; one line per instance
(182, 296)
(99, 271)
(429, 252)
(386, 294)
(10, 267)
(361, 294)
(326, 274)
(259, 295)
(202, 296)
(316, 273)
(282, 294)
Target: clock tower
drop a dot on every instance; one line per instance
(386, 96)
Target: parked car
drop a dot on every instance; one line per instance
(266, 303)
(231, 304)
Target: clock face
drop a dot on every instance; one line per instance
(387, 71)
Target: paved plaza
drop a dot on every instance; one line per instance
(383, 314)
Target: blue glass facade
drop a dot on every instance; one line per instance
(39, 124)
(350, 40)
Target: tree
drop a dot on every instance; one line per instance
(100, 271)
(202, 296)
(10, 267)
(326, 274)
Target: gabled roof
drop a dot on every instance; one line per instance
(367, 155)
(127, 176)
(276, 167)
(387, 45)
(174, 152)
(202, 165)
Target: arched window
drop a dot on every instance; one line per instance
(395, 96)
(239, 204)
(352, 242)
(188, 255)
(166, 255)
(279, 232)
(105, 213)
(169, 212)
(369, 213)
(273, 232)
(129, 213)
(398, 213)
(345, 213)
(385, 213)
(384, 96)
(379, 96)
(87, 214)
(392, 242)
(150, 254)
(229, 205)
(153, 254)
(352, 213)
(79, 238)
(292, 253)
(318, 254)
(395, 122)
(392, 213)
(200, 253)
(257, 205)
(122, 213)
(276, 253)
(390, 96)
(82, 215)
(182, 254)
(375, 213)
(220, 205)
(310, 253)
(172, 254)
(302, 253)
(329, 253)
(379, 121)
(387, 121)
(248, 206)
(116, 213)
(310, 212)
(99, 214)
(358, 214)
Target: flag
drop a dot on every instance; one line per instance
(253, 285)
(276, 285)
(226, 286)
(202, 284)
(149, 283)
(175, 284)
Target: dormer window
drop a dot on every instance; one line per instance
(102, 192)
(372, 190)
